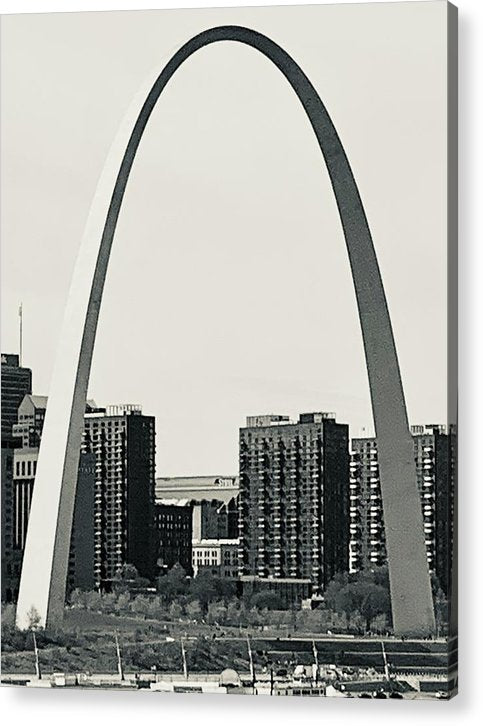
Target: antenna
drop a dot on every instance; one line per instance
(20, 315)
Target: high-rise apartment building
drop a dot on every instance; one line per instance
(123, 442)
(113, 512)
(294, 505)
(435, 473)
(16, 382)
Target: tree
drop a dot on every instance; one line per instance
(175, 611)
(127, 577)
(365, 593)
(348, 599)
(122, 602)
(267, 601)
(193, 610)
(379, 575)
(109, 600)
(339, 581)
(77, 599)
(376, 602)
(216, 613)
(141, 604)
(234, 612)
(93, 600)
(204, 589)
(33, 618)
(173, 584)
(127, 572)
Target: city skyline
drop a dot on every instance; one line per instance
(229, 255)
(210, 350)
(366, 433)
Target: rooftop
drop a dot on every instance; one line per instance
(215, 542)
(174, 502)
(37, 401)
(271, 419)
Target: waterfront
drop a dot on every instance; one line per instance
(252, 662)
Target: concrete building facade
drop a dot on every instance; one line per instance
(218, 556)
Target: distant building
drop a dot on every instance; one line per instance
(24, 470)
(173, 531)
(27, 432)
(218, 556)
(197, 488)
(435, 473)
(214, 502)
(16, 382)
(215, 519)
(81, 558)
(123, 442)
(294, 508)
(31, 414)
(11, 563)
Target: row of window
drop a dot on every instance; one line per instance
(26, 467)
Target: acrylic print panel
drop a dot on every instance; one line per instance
(243, 221)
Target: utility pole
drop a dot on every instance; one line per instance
(119, 658)
(316, 662)
(185, 663)
(38, 672)
(250, 660)
(386, 664)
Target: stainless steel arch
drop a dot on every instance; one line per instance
(47, 548)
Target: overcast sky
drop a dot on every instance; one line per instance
(229, 291)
